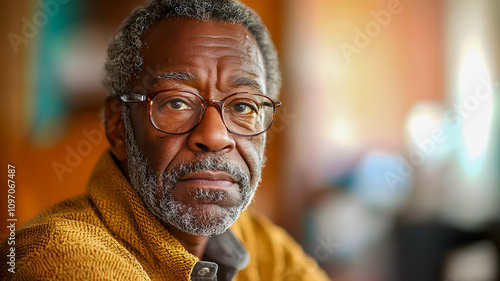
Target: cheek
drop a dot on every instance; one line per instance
(252, 151)
(158, 148)
(161, 151)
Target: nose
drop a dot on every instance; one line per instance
(211, 135)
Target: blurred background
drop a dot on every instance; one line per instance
(383, 162)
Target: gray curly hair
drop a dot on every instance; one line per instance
(124, 61)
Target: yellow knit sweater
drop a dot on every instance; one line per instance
(108, 234)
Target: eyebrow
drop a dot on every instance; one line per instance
(238, 81)
(173, 75)
(235, 81)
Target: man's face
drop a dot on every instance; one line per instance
(199, 181)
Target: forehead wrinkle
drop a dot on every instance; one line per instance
(218, 45)
(224, 41)
(231, 37)
(216, 36)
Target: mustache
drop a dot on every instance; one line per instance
(207, 163)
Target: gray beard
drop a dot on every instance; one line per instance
(156, 190)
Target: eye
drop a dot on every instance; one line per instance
(175, 104)
(243, 108)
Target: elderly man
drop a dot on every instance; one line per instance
(193, 87)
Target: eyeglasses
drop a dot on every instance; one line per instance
(178, 111)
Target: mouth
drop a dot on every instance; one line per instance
(208, 180)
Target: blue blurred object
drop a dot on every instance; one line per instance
(378, 183)
(49, 105)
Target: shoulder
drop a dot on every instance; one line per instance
(273, 252)
(68, 242)
(73, 219)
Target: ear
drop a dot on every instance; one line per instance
(115, 128)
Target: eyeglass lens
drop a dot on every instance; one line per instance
(178, 112)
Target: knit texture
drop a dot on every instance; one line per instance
(108, 234)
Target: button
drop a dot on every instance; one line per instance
(203, 271)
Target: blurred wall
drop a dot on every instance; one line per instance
(355, 69)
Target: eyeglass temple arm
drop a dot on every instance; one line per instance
(133, 98)
(277, 103)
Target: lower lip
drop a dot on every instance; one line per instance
(208, 184)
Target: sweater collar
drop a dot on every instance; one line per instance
(134, 226)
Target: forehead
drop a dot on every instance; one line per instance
(191, 42)
(183, 30)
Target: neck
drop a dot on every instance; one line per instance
(195, 244)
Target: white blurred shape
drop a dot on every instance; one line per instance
(479, 111)
(423, 119)
(475, 262)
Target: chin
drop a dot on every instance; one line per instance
(202, 219)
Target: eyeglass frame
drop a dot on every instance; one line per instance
(134, 97)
